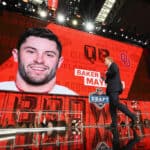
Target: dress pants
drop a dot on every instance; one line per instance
(114, 104)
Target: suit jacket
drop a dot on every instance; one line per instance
(113, 79)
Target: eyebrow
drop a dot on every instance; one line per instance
(49, 51)
(30, 47)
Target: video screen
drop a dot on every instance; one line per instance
(81, 67)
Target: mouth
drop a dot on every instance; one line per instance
(39, 68)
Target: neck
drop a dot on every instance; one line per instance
(109, 64)
(24, 86)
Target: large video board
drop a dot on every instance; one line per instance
(83, 66)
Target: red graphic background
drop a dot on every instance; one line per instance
(76, 44)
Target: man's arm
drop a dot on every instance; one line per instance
(112, 71)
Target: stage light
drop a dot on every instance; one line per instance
(60, 18)
(33, 10)
(98, 28)
(122, 34)
(146, 42)
(105, 10)
(19, 4)
(42, 13)
(110, 31)
(67, 18)
(74, 22)
(121, 29)
(140, 41)
(89, 26)
(37, 1)
(4, 3)
(103, 30)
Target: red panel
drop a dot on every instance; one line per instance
(83, 55)
(83, 64)
(53, 4)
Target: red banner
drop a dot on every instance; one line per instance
(53, 4)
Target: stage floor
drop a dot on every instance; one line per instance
(77, 137)
(58, 122)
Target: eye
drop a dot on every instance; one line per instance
(30, 51)
(50, 54)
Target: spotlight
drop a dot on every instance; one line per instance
(4, 3)
(104, 30)
(50, 14)
(60, 18)
(37, 1)
(42, 13)
(146, 42)
(121, 29)
(74, 22)
(122, 34)
(140, 41)
(98, 28)
(67, 18)
(89, 26)
(33, 10)
(110, 31)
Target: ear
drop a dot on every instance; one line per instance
(61, 60)
(15, 54)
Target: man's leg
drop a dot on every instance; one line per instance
(126, 111)
(123, 108)
(113, 110)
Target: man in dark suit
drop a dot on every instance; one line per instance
(114, 88)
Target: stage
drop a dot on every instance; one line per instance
(77, 137)
(40, 121)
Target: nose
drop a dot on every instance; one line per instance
(39, 58)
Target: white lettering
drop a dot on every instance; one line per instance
(94, 82)
(86, 73)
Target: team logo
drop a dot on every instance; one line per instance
(99, 100)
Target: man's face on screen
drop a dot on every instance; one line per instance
(38, 60)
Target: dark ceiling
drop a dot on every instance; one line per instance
(135, 16)
(130, 17)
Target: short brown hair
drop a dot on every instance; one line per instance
(109, 58)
